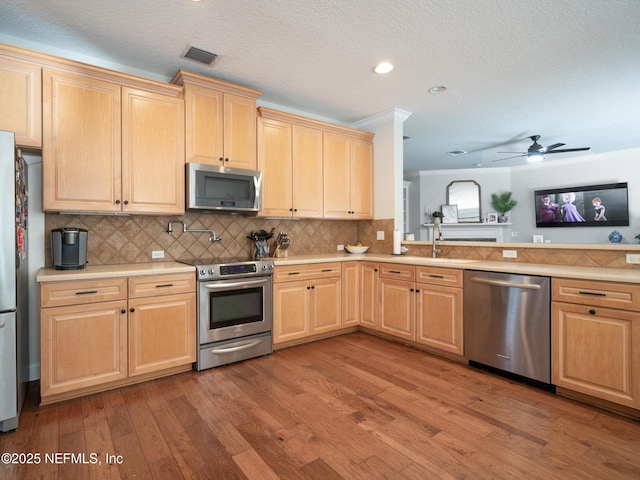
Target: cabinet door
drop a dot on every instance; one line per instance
(326, 307)
(337, 175)
(439, 317)
(307, 187)
(596, 351)
(81, 157)
(152, 153)
(240, 144)
(82, 346)
(203, 125)
(350, 293)
(369, 296)
(290, 311)
(398, 308)
(162, 332)
(361, 179)
(274, 160)
(21, 101)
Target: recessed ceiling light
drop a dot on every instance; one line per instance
(383, 67)
(477, 164)
(455, 153)
(437, 89)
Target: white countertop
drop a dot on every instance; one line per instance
(629, 275)
(112, 271)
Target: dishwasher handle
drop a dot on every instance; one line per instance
(506, 284)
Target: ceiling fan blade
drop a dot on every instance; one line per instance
(569, 150)
(509, 158)
(551, 147)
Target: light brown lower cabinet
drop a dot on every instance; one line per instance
(596, 349)
(306, 301)
(95, 337)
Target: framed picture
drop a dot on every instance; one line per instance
(492, 217)
(538, 239)
(450, 213)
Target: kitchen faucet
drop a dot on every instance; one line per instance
(437, 227)
(212, 238)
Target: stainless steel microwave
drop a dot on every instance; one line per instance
(211, 187)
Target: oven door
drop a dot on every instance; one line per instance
(234, 308)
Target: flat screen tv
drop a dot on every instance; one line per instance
(589, 206)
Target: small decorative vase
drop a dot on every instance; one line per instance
(615, 237)
(436, 220)
(503, 219)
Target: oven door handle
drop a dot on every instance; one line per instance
(240, 284)
(237, 348)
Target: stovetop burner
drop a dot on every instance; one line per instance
(230, 267)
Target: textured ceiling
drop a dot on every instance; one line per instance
(567, 70)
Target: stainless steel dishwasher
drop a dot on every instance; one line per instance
(507, 323)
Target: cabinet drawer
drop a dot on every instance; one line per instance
(439, 276)
(58, 294)
(154, 285)
(291, 273)
(400, 272)
(602, 294)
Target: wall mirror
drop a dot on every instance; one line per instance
(466, 195)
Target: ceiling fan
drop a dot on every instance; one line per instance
(536, 152)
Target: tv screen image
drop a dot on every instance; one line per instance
(587, 206)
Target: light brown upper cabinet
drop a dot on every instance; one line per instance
(348, 176)
(290, 158)
(314, 169)
(110, 148)
(21, 101)
(220, 121)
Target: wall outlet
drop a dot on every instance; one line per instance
(510, 253)
(157, 254)
(340, 246)
(633, 257)
(380, 235)
(514, 234)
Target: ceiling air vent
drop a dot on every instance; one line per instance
(200, 55)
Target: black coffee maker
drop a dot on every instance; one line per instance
(69, 248)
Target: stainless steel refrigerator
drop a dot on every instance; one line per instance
(14, 306)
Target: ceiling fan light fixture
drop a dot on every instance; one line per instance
(383, 67)
(535, 157)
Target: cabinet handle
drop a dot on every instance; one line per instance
(397, 272)
(294, 273)
(87, 292)
(411, 289)
(123, 311)
(417, 290)
(221, 159)
(436, 276)
(117, 202)
(126, 202)
(163, 285)
(313, 287)
(375, 269)
(594, 294)
(324, 270)
(132, 309)
(592, 311)
(226, 159)
(308, 287)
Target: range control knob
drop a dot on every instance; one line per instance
(203, 271)
(211, 271)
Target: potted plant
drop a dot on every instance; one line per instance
(502, 203)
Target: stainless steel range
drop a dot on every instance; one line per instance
(235, 317)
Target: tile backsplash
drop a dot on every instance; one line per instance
(122, 239)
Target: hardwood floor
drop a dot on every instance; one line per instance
(352, 407)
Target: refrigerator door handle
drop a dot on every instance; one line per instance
(11, 310)
(2, 324)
